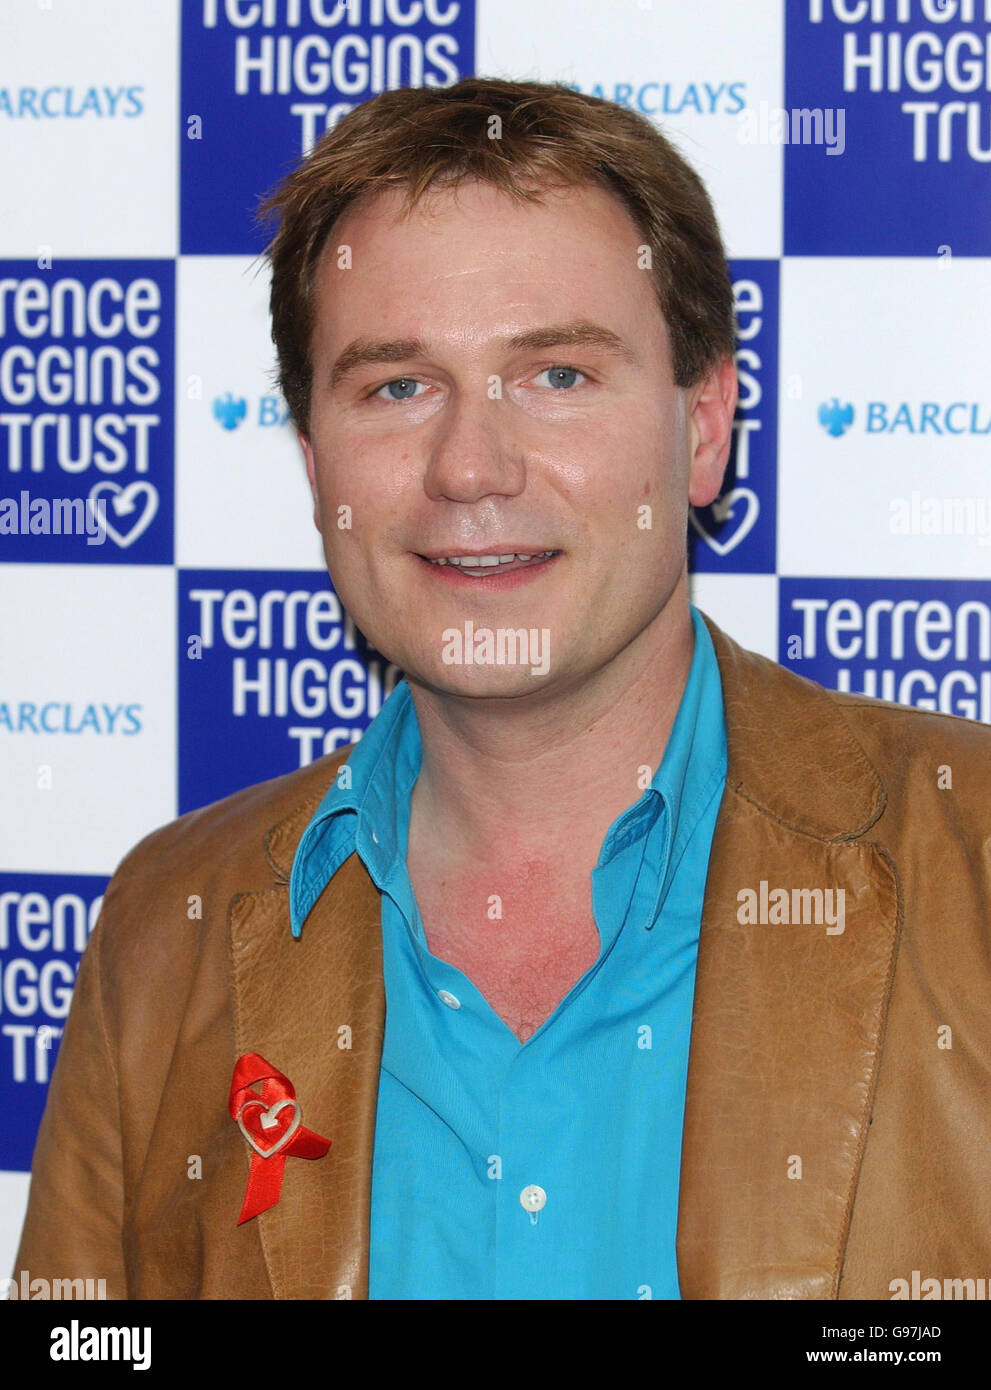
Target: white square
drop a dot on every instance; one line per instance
(745, 606)
(867, 342)
(94, 172)
(13, 1205)
(77, 639)
(693, 69)
(242, 498)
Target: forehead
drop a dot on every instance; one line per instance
(472, 249)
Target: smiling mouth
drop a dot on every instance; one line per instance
(488, 566)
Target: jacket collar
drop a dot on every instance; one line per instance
(787, 741)
(786, 1031)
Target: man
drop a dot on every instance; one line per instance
(501, 954)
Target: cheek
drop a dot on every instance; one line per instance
(342, 488)
(370, 475)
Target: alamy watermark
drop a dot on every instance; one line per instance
(54, 516)
(81, 1343)
(802, 125)
(940, 516)
(502, 646)
(922, 1287)
(25, 1288)
(801, 907)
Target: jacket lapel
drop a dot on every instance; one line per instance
(788, 1020)
(315, 1008)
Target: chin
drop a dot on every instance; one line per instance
(479, 682)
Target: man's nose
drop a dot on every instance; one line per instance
(474, 452)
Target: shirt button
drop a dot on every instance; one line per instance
(375, 838)
(533, 1198)
(451, 1000)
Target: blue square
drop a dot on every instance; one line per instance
(256, 96)
(272, 675)
(925, 643)
(87, 412)
(910, 174)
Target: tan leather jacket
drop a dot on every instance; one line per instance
(826, 1047)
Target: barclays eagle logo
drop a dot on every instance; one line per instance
(230, 412)
(836, 419)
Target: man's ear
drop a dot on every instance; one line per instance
(712, 404)
(307, 449)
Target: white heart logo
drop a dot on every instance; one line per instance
(269, 1119)
(124, 502)
(722, 508)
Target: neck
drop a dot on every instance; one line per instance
(504, 778)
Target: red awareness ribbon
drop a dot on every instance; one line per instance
(271, 1122)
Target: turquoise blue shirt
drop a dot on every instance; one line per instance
(550, 1168)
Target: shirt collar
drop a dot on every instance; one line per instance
(360, 811)
(381, 768)
(694, 755)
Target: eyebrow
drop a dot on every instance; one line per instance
(364, 352)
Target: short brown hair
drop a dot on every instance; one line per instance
(420, 136)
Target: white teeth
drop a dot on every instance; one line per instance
(475, 562)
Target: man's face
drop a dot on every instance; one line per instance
(489, 440)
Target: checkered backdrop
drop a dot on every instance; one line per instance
(846, 144)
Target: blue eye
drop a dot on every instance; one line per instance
(404, 388)
(406, 385)
(562, 376)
